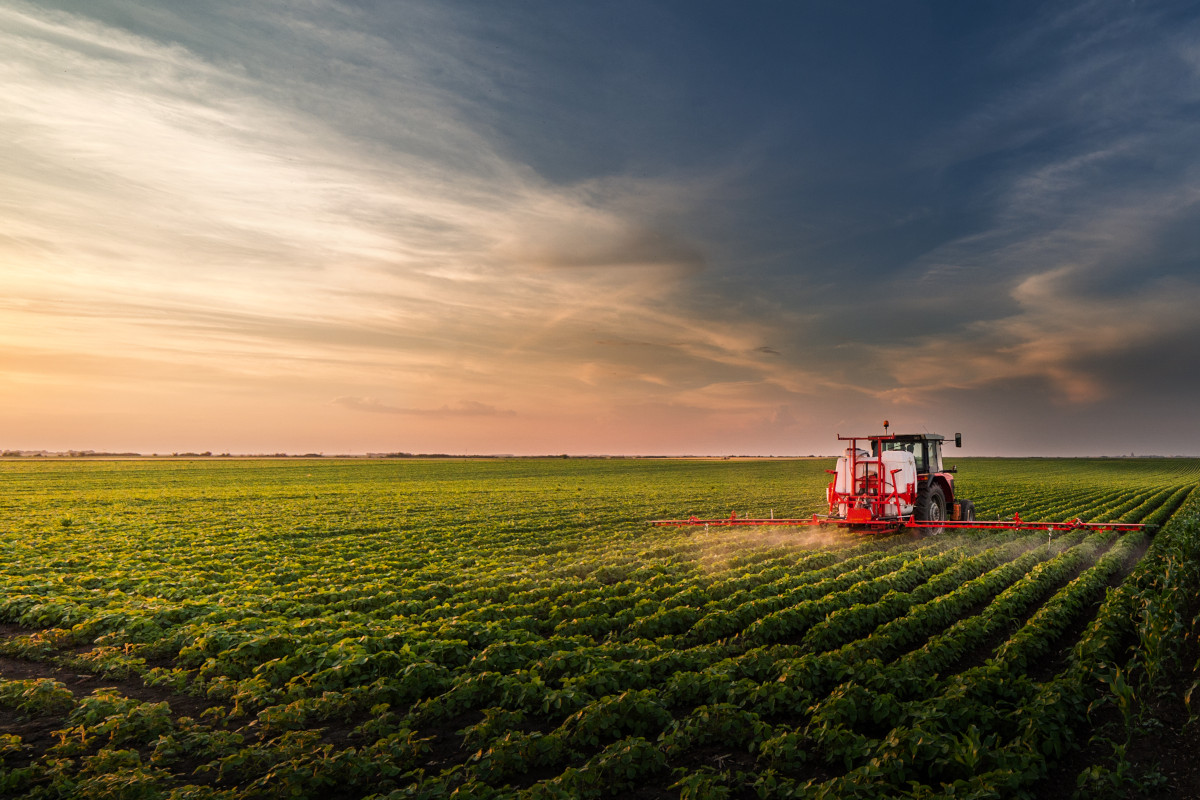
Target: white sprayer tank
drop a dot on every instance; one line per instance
(900, 476)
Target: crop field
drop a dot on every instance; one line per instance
(513, 629)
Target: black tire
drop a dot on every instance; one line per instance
(931, 507)
(966, 511)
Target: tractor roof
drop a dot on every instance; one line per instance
(918, 437)
(898, 437)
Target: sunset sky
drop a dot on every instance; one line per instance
(625, 227)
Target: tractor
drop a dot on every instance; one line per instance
(900, 479)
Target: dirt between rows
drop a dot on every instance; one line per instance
(1163, 756)
(1163, 753)
(37, 732)
(82, 684)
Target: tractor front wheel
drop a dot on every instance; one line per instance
(931, 508)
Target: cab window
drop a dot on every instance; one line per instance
(916, 448)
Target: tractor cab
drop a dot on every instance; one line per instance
(926, 449)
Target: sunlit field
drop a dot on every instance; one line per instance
(514, 628)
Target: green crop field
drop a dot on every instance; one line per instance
(513, 628)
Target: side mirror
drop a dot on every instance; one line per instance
(958, 440)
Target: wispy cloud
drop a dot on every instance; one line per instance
(464, 408)
(1062, 334)
(146, 176)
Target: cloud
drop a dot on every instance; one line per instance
(464, 408)
(186, 199)
(1062, 335)
(599, 242)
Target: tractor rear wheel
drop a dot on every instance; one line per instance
(931, 508)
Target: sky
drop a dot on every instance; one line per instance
(642, 227)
